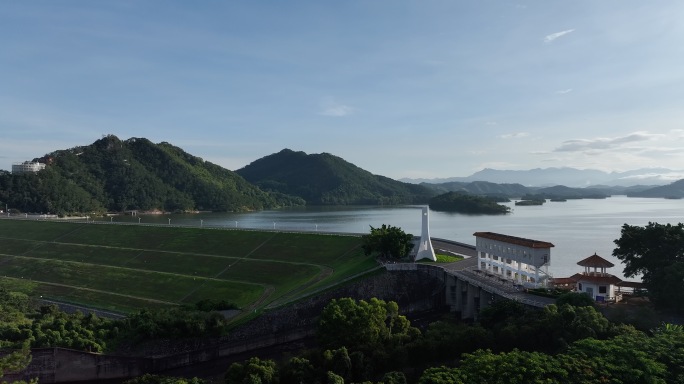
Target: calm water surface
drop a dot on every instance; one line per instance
(577, 228)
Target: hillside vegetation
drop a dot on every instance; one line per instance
(466, 203)
(324, 179)
(134, 174)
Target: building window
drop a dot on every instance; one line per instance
(603, 289)
(580, 287)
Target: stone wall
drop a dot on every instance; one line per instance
(414, 291)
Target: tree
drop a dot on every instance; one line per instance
(362, 325)
(576, 299)
(441, 375)
(623, 359)
(298, 370)
(387, 241)
(515, 367)
(338, 362)
(13, 332)
(394, 377)
(253, 370)
(655, 251)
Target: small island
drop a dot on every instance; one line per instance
(465, 203)
(530, 202)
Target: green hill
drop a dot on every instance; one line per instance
(324, 179)
(466, 203)
(670, 191)
(133, 174)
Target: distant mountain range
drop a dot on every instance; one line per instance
(570, 177)
(136, 174)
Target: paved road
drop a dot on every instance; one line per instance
(72, 308)
(454, 246)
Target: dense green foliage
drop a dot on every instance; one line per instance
(135, 174)
(172, 323)
(466, 203)
(388, 242)
(656, 252)
(329, 180)
(363, 325)
(22, 326)
(252, 371)
(13, 331)
(48, 327)
(511, 344)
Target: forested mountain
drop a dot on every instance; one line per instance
(133, 174)
(484, 188)
(561, 191)
(670, 191)
(330, 180)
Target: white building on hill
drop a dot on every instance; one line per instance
(27, 167)
(524, 261)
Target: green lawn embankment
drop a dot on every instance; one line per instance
(128, 267)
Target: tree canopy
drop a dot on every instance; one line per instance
(361, 324)
(387, 241)
(655, 251)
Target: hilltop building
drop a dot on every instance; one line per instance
(596, 282)
(27, 167)
(425, 250)
(524, 261)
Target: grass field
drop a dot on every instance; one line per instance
(129, 267)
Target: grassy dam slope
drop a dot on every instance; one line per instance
(128, 267)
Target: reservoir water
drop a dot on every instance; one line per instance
(577, 228)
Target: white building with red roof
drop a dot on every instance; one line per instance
(522, 260)
(595, 281)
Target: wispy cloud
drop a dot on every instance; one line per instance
(330, 107)
(550, 38)
(515, 135)
(563, 91)
(602, 143)
(677, 133)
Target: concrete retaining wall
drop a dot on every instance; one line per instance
(415, 290)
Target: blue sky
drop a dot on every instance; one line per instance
(400, 88)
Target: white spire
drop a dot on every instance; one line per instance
(425, 250)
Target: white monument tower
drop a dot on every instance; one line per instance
(425, 250)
